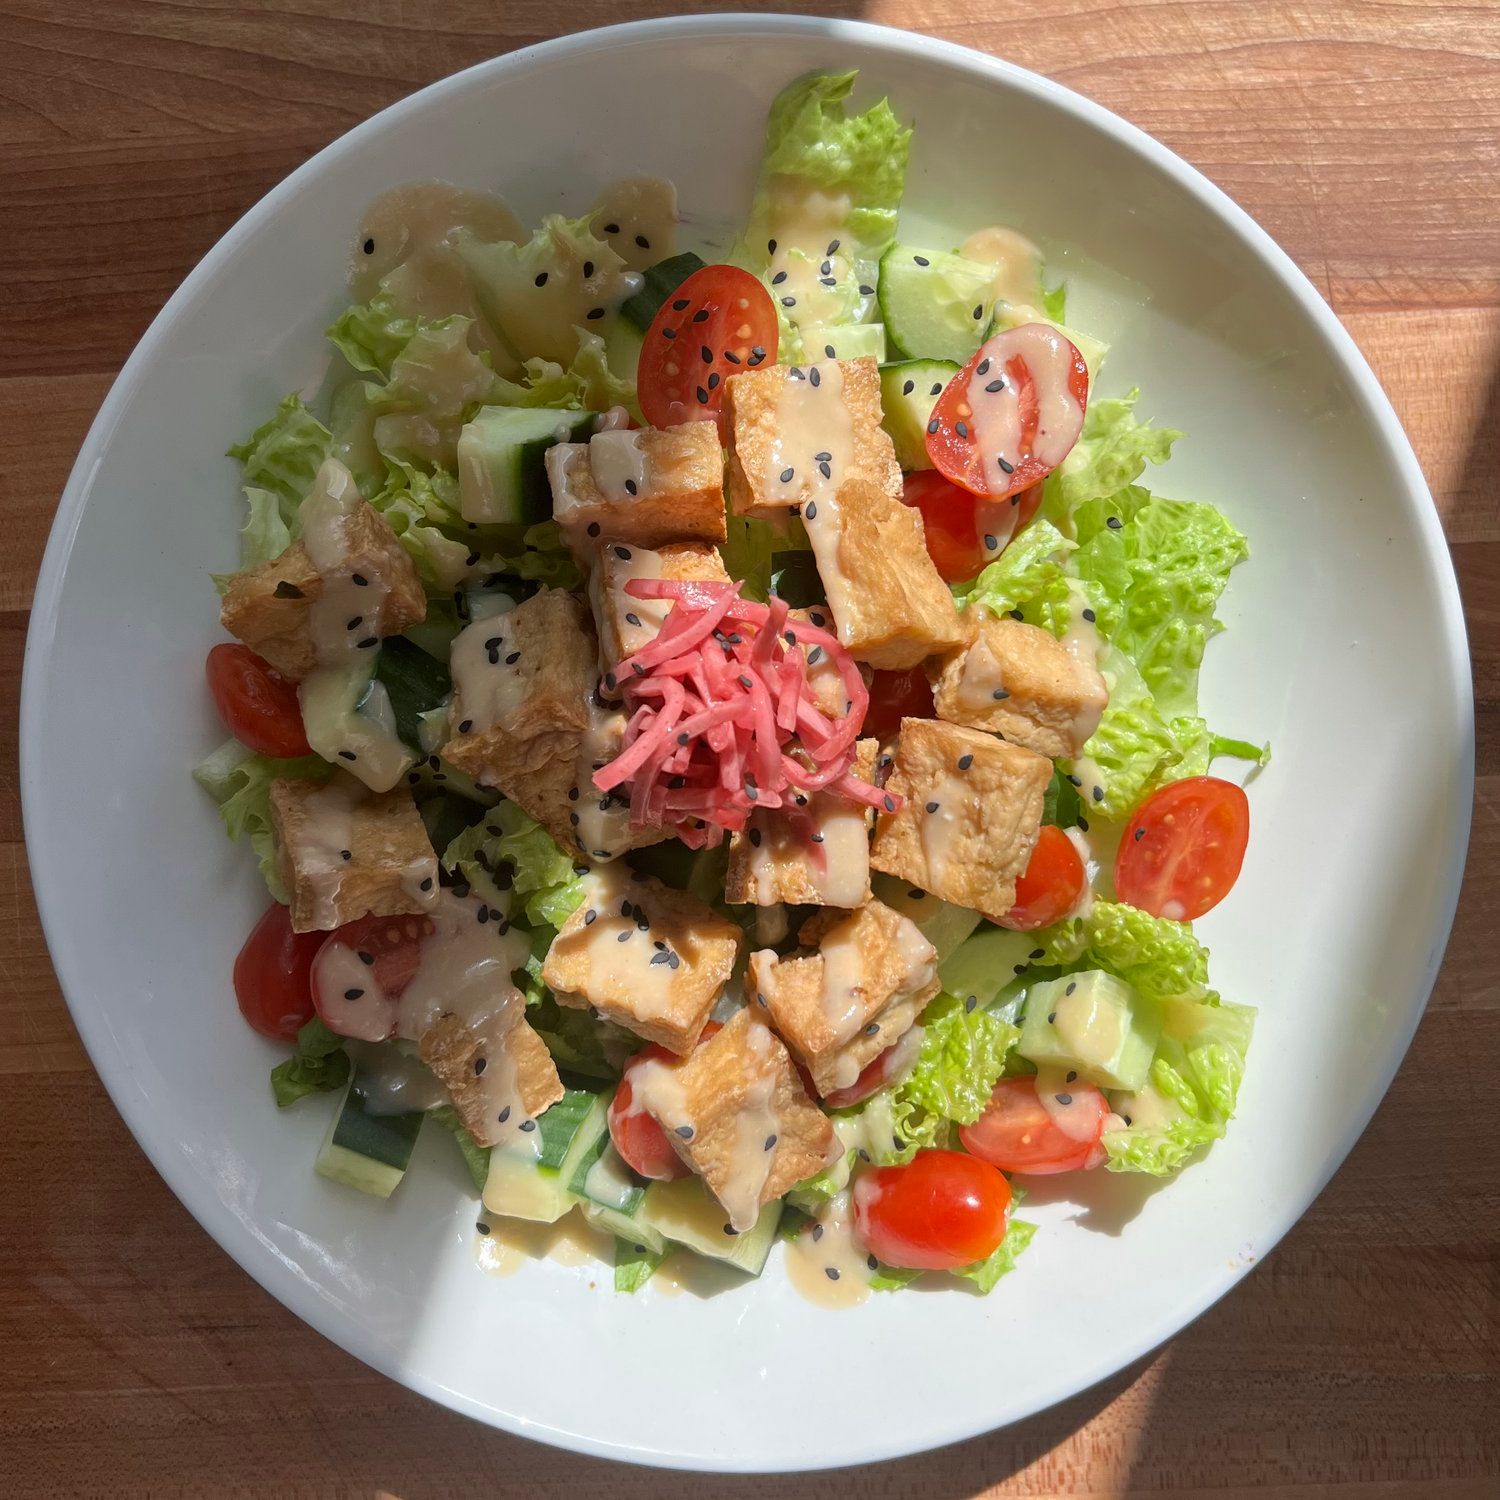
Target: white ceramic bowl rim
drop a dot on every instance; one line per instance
(49, 863)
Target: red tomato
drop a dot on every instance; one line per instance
(386, 950)
(272, 975)
(948, 519)
(1050, 887)
(895, 696)
(639, 1137)
(257, 704)
(1012, 414)
(873, 1077)
(721, 320)
(1183, 849)
(1018, 1133)
(941, 1211)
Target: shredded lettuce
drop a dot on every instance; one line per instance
(1028, 576)
(476, 1157)
(284, 453)
(1160, 958)
(543, 874)
(435, 381)
(984, 1274)
(239, 780)
(371, 334)
(319, 1065)
(634, 1265)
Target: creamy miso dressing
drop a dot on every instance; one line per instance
(1017, 262)
(626, 964)
(323, 842)
(808, 265)
(812, 447)
(994, 406)
(944, 808)
(504, 1245)
(981, 682)
(637, 218)
(392, 1081)
(600, 820)
(489, 675)
(636, 621)
(829, 843)
(827, 1262)
(619, 465)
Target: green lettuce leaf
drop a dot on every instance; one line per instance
(265, 534)
(239, 780)
(371, 334)
(418, 504)
(1133, 750)
(579, 1041)
(634, 1265)
(1160, 958)
(1028, 576)
(434, 382)
(284, 453)
(476, 1157)
(984, 1274)
(543, 875)
(319, 1066)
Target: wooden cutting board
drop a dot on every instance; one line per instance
(1362, 1360)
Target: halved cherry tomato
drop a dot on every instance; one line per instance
(258, 705)
(386, 949)
(639, 1137)
(1012, 414)
(272, 974)
(872, 1078)
(1183, 849)
(1019, 1133)
(941, 1211)
(1051, 885)
(895, 696)
(949, 522)
(721, 320)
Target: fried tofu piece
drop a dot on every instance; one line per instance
(789, 423)
(644, 956)
(825, 684)
(888, 600)
(643, 487)
(467, 1061)
(343, 851)
(841, 1006)
(1020, 681)
(269, 608)
(626, 623)
(813, 853)
(736, 1112)
(970, 818)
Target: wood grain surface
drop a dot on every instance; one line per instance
(1362, 1359)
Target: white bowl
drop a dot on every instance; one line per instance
(1345, 646)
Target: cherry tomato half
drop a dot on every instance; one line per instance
(941, 1211)
(355, 991)
(272, 975)
(639, 1137)
(1012, 414)
(948, 520)
(872, 1078)
(1051, 885)
(1019, 1133)
(1182, 851)
(895, 696)
(257, 704)
(721, 320)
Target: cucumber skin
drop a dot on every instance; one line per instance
(905, 417)
(912, 314)
(661, 280)
(367, 1152)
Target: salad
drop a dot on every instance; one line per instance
(721, 737)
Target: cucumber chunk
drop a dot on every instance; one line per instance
(944, 925)
(935, 305)
(502, 472)
(632, 1228)
(529, 1178)
(844, 341)
(1093, 1024)
(982, 965)
(909, 390)
(661, 280)
(685, 1212)
(365, 1151)
(415, 683)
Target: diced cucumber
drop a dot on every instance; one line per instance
(622, 349)
(982, 965)
(569, 1127)
(366, 1151)
(687, 1213)
(518, 1188)
(602, 1177)
(844, 341)
(660, 281)
(929, 300)
(634, 1265)
(1093, 1024)
(795, 578)
(502, 472)
(415, 683)
(908, 392)
(349, 720)
(943, 925)
(529, 1179)
(632, 1228)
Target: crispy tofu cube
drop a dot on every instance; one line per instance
(970, 818)
(737, 1114)
(825, 685)
(269, 607)
(469, 1060)
(788, 423)
(891, 606)
(814, 853)
(643, 487)
(644, 956)
(344, 852)
(1020, 681)
(860, 992)
(626, 623)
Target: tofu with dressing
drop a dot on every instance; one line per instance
(815, 852)
(460, 1054)
(346, 581)
(649, 958)
(642, 487)
(736, 1112)
(343, 852)
(1021, 682)
(626, 623)
(859, 992)
(970, 815)
(796, 431)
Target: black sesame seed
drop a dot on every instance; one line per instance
(827, 281)
(542, 279)
(482, 1227)
(669, 333)
(812, 510)
(369, 247)
(1071, 1078)
(921, 260)
(831, 1273)
(890, 804)
(965, 761)
(1037, 953)
(770, 247)
(995, 385)
(1070, 989)
(347, 755)
(480, 1064)
(757, 354)
(285, 590)
(730, 1229)
(588, 269)
(1074, 780)
(732, 357)
(1064, 1098)
(528, 1125)
(787, 475)
(978, 311)
(908, 387)
(631, 618)
(624, 937)
(353, 994)
(1140, 833)
(365, 958)
(594, 313)
(659, 958)
(623, 553)
(573, 819)
(713, 380)
(426, 885)
(360, 580)
(1052, 1019)
(643, 242)
(505, 1114)
(701, 316)
(933, 425)
(1114, 523)
(611, 229)
(961, 428)
(829, 350)
(1019, 969)
(932, 807)
(788, 301)
(1098, 794)
(680, 305)
(817, 1232)
(814, 376)
(512, 658)
(590, 917)
(685, 1131)
(778, 278)
(1006, 468)
(991, 542)
(970, 1002)
(630, 487)
(866, 291)
(594, 528)
(1000, 693)
(872, 1028)
(367, 642)
(702, 396)
(833, 246)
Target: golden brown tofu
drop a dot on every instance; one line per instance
(344, 852)
(644, 956)
(891, 606)
(626, 623)
(737, 1114)
(467, 1059)
(795, 431)
(971, 815)
(1020, 681)
(269, 607)
(644, 487)
(825, 685)
(813, 853)
(840, 1007)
